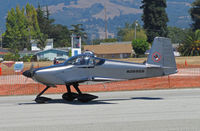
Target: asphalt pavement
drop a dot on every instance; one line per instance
(155, 110)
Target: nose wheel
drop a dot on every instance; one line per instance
(42, 100)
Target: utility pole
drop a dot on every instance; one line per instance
(106, 22)
(29, 42)
(136, 24)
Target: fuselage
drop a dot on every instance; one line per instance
(94, 69)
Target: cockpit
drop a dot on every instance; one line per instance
(84, 59)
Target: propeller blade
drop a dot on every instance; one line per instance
(32, 67)
(26, 80)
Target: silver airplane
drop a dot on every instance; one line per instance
(87, 67)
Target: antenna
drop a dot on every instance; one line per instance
(106, 22)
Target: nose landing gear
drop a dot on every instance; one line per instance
(40, 99)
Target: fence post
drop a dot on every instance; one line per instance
(0, 69)
(169, 81)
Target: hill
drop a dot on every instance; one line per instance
(91, 13)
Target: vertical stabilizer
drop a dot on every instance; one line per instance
(161, 54)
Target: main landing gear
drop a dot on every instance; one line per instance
(69, 96)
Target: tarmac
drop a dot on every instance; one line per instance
(154, 110)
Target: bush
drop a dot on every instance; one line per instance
(191, 44)
(140, 46)
(26, 58)
(70, 53)
(44, 59)
(12, 57)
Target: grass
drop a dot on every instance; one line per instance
(195, 60)
(192, 60)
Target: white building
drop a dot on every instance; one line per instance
(48, 53)
(49, 45)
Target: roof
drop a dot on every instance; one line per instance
(62, 48)
(110, 48)
(27, 52)
(3, 51)
(52, 49)
(121, 42)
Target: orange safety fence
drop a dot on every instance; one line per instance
(12, 83)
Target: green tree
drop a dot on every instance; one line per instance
(70, 53)
(22, 24)
(130, 35)
(21, 27)
(176, 34)
(155, 18)
(195, 14)
(29, 23)
(16, 33)
(191, 44)
(109, 40)
(33, 26)
(45, 23)
(59, 33)
(98, 41)
(79, 31)
(61, 36)
(12, 56)
(140, 46)
(12, 33)
(128, 32)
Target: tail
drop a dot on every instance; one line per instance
(161, 55)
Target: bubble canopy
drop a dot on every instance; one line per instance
(84, 59)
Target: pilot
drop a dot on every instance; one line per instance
(54, 61)
(82, 61)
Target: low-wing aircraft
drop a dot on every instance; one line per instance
(87, 67)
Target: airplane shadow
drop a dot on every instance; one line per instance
(94, 102)
(147, 98)
(75, 102)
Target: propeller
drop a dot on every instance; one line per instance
(29, 73)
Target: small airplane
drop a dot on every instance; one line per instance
(88, 67)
